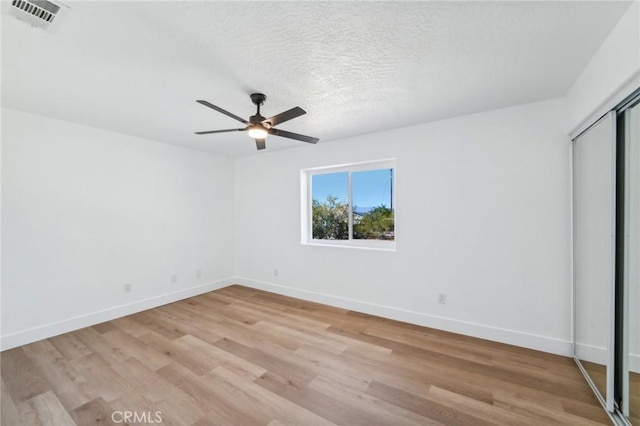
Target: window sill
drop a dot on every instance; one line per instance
(351, 244)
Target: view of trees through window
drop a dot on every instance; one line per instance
(371, 208)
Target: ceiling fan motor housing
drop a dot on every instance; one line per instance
(258, 98)
(256, 119)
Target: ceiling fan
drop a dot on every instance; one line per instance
(259, 127)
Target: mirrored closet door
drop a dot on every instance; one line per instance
(594, 158)
(606, 245)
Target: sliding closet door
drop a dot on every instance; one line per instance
(594, 157)
(631, 303)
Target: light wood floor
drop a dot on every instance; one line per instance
(239, 356)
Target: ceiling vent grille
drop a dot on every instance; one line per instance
(39, 13)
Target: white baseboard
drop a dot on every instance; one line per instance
(634, 363)
(497, 334)
(53, 329)
(590, 353)
(599, 355)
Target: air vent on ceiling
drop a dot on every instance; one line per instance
(39, 13)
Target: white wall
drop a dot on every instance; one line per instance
(86, 210)
(483, 214)
(611, 75)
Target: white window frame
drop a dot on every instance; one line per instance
(306, 198)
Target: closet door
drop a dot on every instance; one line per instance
(594, 165)
(631, 294)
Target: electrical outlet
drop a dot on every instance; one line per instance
(275, 272)
(199, 273)
(174, 278)
(126, 288)
(442, 298)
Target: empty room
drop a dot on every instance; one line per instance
(320, 213)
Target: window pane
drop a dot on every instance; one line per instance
(330, 206)
(372, 193)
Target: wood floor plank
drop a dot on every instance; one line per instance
(586, 410)
(94, 341)
(132, 401)
(21, 375)
(482, 410)
(189, 322)
(243, 357)
(150, 319)
(224, 328)
(146, 381)
(284, 368)
(133, 347)
(104, 327)
(107, 384)
(400, 372)
(330, 407)
(198, 362)
(477, 385)
(429, 409)
(385, 413)
(70, 346)
(131, 326)
(431, 343)
(213, 397)
(9, 414)
(174, 411)
(221, 358)
(69, 386)
(634, 398)
(543, 411)
(45, 409)
(248, 334)
(273, 312)
(248, 394)
(319, 365)
(96, 411)
(323, 341)
(191, 384)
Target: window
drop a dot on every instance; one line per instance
(350, 205)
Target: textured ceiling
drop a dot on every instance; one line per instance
(355, 67)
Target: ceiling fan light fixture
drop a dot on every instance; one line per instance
(256, 131)
(258, 127)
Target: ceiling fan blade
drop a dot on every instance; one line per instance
(260, 144)
(296, 136)
(208, 132)
(285, 116)
(212, 106)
